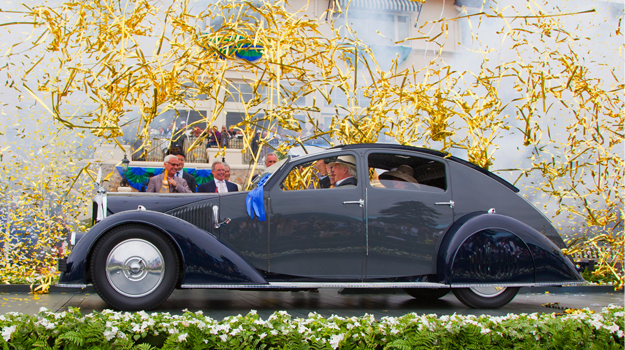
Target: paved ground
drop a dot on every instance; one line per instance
(221, 303)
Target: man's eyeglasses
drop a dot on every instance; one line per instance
(170, 163)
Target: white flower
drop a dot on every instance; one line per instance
(47, 324)
(110, 334)
(236, 331)
(224, 337)
(182, 337)
(335, 340)
(43, 309)
(263, 335)
(613, 328)
(7, 331)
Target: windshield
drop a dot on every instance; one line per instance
(271, 170)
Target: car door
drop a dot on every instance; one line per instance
(316, 232)
(409, 208)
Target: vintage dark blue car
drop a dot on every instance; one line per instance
(414, 218)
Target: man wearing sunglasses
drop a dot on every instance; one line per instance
(169, 184)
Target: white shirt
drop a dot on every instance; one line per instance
(221, 186)
(179, 173)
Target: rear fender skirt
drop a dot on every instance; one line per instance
(502, 250)
(204, 258)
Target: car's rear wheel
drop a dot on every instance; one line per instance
(486, 297)
(427, 293)
(134, 267)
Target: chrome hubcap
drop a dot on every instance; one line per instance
(488, 292)
(135, 268)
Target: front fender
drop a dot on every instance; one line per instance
(490, 248)
(204, 259)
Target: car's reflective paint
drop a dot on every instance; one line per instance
(324, 235)
(204, 258)
(537, 259)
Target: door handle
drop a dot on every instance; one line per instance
(360, 202)
(450, 204)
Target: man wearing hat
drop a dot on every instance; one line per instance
(400, 176)
(344, 169)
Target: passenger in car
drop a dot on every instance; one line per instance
(218, 184)
(399, 177)
(344, 170)
(165, 181)
(323, 173)
(227, 175)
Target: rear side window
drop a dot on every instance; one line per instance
(404, 172)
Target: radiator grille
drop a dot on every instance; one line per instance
(198, 215)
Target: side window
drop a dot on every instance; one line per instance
(410, 173)
(304, 176)
(322, 173)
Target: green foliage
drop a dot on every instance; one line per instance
(579, 329)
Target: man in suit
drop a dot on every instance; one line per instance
(174, 185)
(181, 173)
(344, 169)
(270, 159)
(218, 184)
(323, 173)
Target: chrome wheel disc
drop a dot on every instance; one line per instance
(488, 292)
(135, 268)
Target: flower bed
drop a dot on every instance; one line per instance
(573, 329)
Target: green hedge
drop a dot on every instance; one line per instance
(578, 329)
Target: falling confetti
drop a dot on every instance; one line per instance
(115, 55)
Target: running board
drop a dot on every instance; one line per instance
(539, 284)
(367, 285)
(312, 285)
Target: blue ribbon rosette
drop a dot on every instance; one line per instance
(254, 201)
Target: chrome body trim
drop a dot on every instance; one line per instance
(309, 285)
(368, 285)
(70, 285)
(540, 284)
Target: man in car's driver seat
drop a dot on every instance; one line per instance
(344, 169)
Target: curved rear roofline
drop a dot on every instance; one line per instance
(433, 153)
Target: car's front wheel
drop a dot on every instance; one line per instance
(486, 297)
(134, 267)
